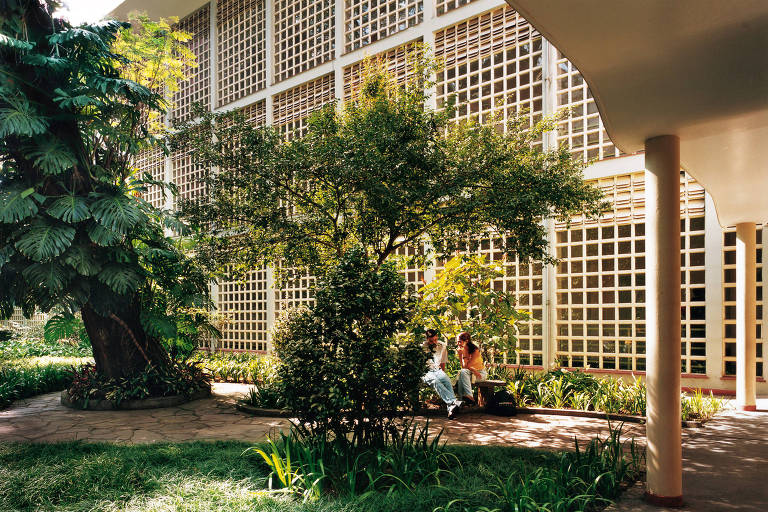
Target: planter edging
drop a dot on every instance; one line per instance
(133, 405)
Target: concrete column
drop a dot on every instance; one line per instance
(664, 453)
(745, 315)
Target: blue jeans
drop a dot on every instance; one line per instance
(464, 384)
(442, 384)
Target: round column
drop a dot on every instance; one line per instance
(745, 315)
(662, 242)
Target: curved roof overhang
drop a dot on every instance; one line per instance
(697, 69)
(157, 8)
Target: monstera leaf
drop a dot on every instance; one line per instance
(44, 240)
(50, 276)
(70, 209)
(16, 204)
(122, 279)
(118, 213)
(52, 157)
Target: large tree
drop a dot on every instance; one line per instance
(75, 232)
(382, 171)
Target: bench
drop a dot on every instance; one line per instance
(485, 390)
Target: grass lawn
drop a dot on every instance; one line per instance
(203, 476)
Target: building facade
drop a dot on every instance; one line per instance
(280, 60)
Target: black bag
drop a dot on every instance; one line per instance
(503, 404)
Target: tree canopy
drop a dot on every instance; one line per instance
(381, 171)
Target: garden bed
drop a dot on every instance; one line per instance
(147, 403)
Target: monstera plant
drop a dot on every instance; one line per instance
(75, 232)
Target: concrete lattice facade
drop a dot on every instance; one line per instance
(281, 60)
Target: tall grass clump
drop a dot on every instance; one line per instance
(310, 466)
(586, 479)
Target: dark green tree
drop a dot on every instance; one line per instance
(382, 172)
(343, 369)
(75, 233)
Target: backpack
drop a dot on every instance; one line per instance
(503, 404)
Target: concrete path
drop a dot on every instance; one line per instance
(725, 467)
(44, 419)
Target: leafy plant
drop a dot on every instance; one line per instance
(178, 378)
(22, 378)
(462, 298)
(343, 369)
(66, 326)
(264, 397)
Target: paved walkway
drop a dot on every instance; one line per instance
(725, 467)
(44, 419)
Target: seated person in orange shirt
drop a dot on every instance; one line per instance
(472, 367)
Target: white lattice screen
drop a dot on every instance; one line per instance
(493, 66)
(152, 161)
(583, 129)
(729, 301)
(398, 64)
(367, 21)
(242, 48)
(305, 35)
(601, 281)
(292, 107)
(187, 175)
(296, 289)
(197, 87)
(17, 318)
(245, 303)
(444, 6)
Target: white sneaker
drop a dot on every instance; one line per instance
(453, 409)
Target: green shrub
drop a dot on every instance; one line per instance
(585, 479)
(343, 369)
(22, 378)
(179, 378)
(264, 396)
(700, 407)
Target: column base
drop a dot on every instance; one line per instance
(663, 501)
(746, 407)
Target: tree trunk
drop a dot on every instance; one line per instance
(120, 345)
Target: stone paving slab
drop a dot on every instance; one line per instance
(44, 419)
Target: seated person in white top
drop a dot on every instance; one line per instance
(436, 376)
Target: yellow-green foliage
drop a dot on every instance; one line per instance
(238, 367)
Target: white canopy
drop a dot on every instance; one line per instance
(697, 69)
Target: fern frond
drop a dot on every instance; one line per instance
(83, 260)
(70, 209)
(45, 240)
(16, 44)
(60, 326)
(157, 324)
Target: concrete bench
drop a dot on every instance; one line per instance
(486, 389)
